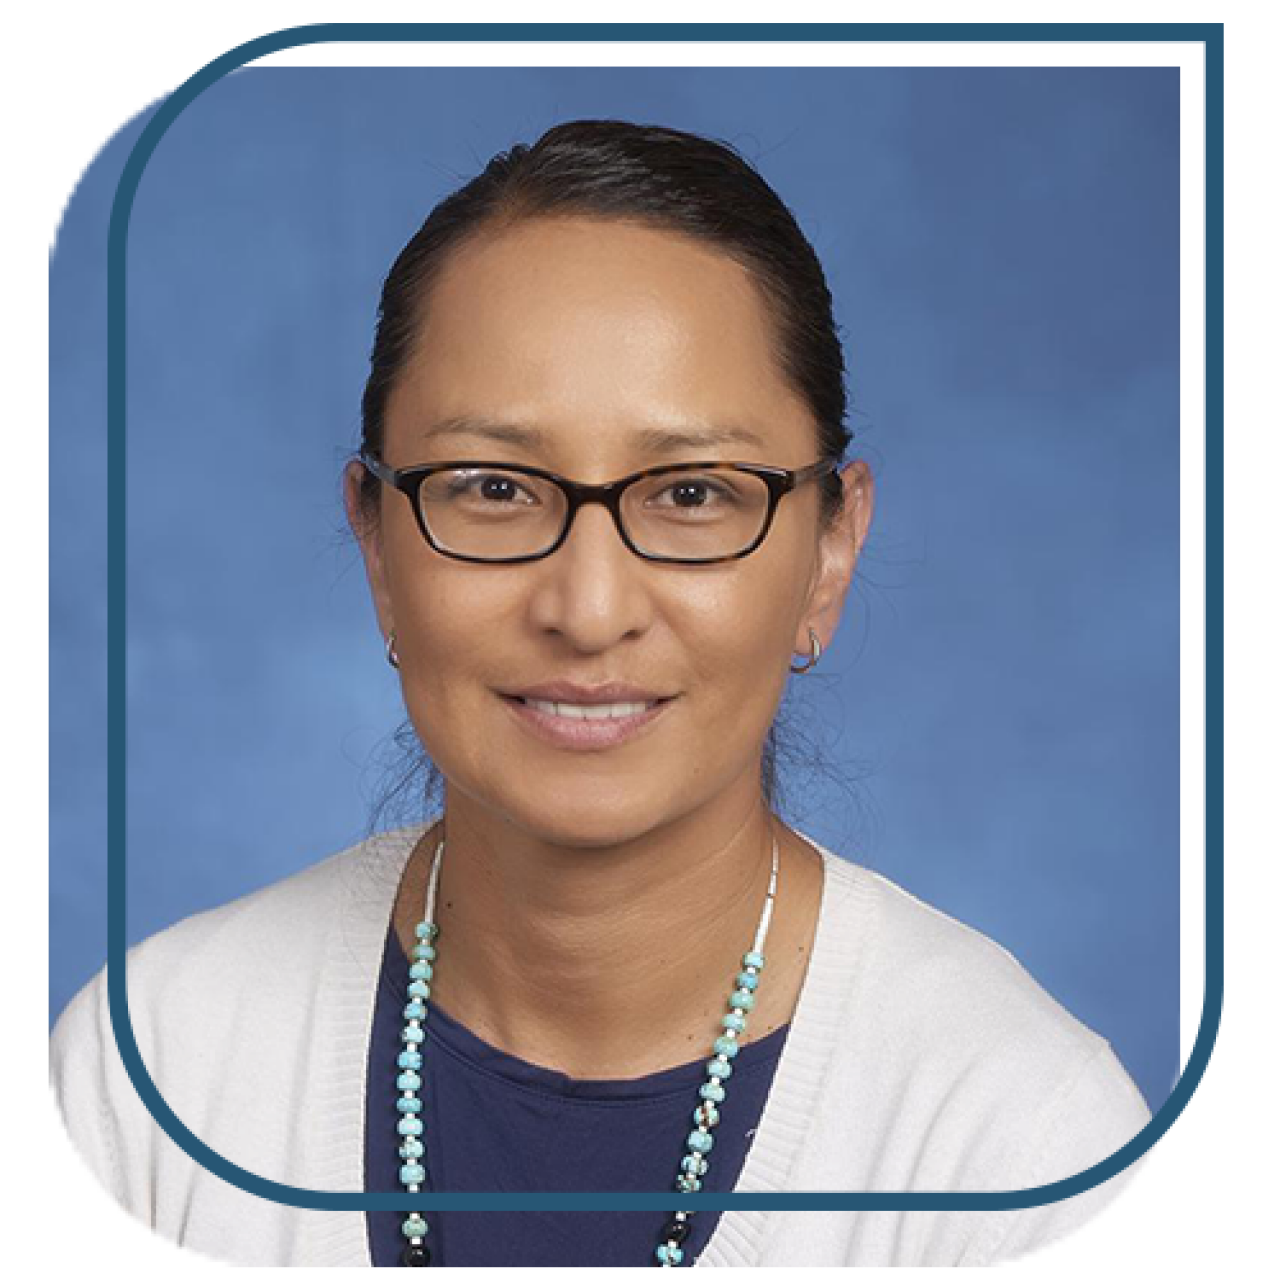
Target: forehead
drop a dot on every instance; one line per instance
(599, 334)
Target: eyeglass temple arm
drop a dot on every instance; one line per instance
(815, 469)
(378, 467)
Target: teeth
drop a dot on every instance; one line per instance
(580, 711)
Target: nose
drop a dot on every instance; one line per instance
(590, 589)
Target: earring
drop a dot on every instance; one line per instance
(815, 648)
(392, 656)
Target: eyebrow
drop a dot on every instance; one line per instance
(647, 440)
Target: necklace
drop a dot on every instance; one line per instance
(693, 1165)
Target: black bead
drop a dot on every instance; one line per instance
(676, 1231)
(416, 1255)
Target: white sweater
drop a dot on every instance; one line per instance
(921, 1057)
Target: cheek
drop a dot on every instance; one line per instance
(445, 619)
(736, 638)
(445, 638)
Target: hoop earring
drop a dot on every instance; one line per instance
(815, 649)
(392, 656)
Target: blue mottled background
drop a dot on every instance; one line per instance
(999, 714)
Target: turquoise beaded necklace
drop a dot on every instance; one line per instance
(693, 1166)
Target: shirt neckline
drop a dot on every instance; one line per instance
(447, 1034)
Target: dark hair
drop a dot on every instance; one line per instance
(665, 179)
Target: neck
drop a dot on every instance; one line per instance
(611, 961)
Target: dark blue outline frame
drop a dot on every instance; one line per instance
(1208, 34)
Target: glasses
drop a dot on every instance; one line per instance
(680, 513)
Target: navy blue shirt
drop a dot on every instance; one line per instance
(497, 1123)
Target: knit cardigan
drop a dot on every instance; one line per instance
(921, 1057)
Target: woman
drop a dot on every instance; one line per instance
(602, 507)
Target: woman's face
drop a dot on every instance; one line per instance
(590, 333)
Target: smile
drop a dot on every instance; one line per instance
(585, 727)
(590, 711)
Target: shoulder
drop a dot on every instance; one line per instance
(279, 926)
(936, 977)
(245, 948)
(958, 1037)
(204, 1002)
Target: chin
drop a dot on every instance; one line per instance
(588, 817)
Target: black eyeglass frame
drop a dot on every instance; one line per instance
(780, 480)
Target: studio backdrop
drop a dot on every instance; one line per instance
(996, 725)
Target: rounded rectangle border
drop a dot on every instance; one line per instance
(1208, 35)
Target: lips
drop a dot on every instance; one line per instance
(586, 727)
(568, 692)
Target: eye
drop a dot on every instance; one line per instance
(489, 488)
(693, 493)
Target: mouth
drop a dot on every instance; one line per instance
(584, 726)
(589, 710)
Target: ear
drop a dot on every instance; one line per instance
(838, 550)
(367, 527)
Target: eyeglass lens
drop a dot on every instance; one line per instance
(694, 514)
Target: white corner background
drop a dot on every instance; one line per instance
(74, 78)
